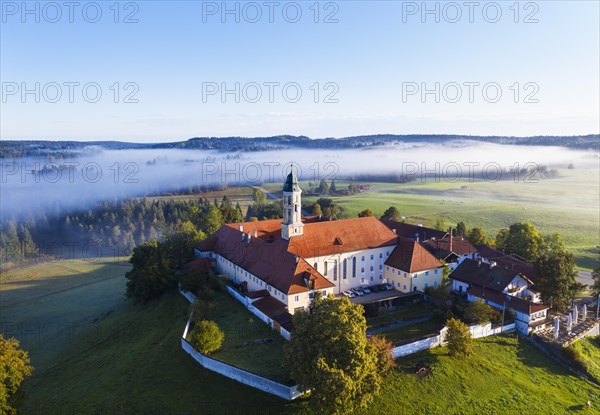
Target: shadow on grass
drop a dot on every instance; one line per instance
(412, 363)
(534, 357)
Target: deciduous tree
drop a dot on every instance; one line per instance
(207, 337)
(392, 213)
(460, 341)
(522, 239)
(556, 274)
(14, 367)
(365, 213)
(330, 355)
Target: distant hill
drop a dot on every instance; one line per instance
(68, 149)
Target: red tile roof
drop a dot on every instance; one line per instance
(440, 247)
(507, 261)
(339, 236)
(411, 256)
(482, 274)
(515, 303)
(271, 307)
(280, 262)
(198, 265)
(270, 261)
(406, 230)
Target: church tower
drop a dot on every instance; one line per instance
(292, 208)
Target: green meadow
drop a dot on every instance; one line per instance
(127, 358)
(568, 205)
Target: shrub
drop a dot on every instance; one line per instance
(477, 312)
(200, 310)
(207, 337)
(385, 358)
(460, 341)
(192, 281)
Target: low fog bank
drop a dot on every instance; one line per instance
(36, 186)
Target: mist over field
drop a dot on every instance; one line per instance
(34, 186)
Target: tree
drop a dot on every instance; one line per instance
(14, 367)
(323, 187)
(439, 224)
(212, 220)
(330, 355)
(207, 337)
(460, 341)
(556, 273)
(316, 210)
(476, 236)
(596, 277)
(152, 273)
(461, 229)
(180, 242)
(392, 213)
(522, 239)
(259, 197)
(365, 213)
(386, 360)
(477, 312)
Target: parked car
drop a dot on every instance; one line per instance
(357, 291)
(375, 288)
(366, 290)
(349, 294)
(389, 286)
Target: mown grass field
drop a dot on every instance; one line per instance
(589, 349)
(506, 375)
(128, 360)
(241, 328)
(568, 205)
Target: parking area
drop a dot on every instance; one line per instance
(376, 294)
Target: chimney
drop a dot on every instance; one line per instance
(240, 227)
(417, 236)
(479, 264)
(255, 233)
(394, 230)
(450, 233)
(243, 236)
(249, 238)
(492, 264)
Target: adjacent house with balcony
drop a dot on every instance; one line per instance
(501, 288)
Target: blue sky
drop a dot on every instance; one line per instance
(371, 59)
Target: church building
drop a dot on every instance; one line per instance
(290, 260)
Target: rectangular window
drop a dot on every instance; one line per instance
(297, 298)
(371, 256)
(387, 268)
(381, 255)
(435, 272)
(345, 267)
(362, 269)
(335, 271)
(353, 267)
(404, 286)
(325, 270)
(426, 273)
(371, 278)
(380, 266)
(435, 283)
(399, 285)
(362, 280)
(426, 285)
(363, 258)
(371, 267)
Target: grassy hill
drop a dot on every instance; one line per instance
(127, 359)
